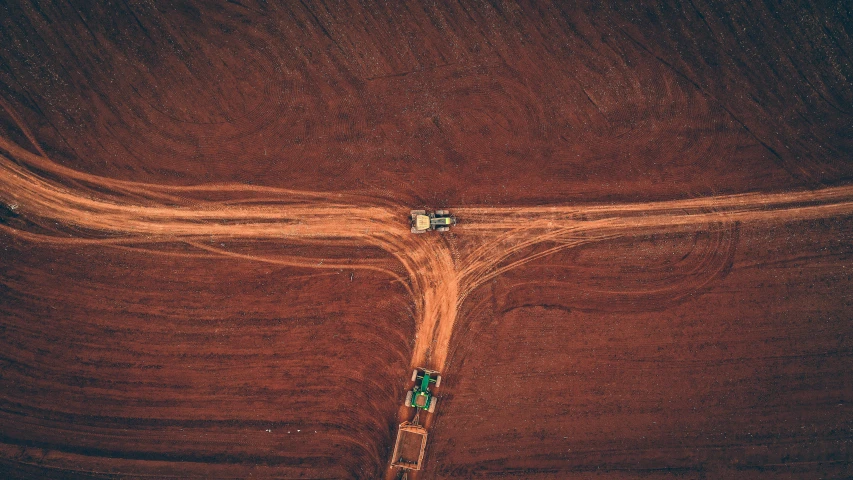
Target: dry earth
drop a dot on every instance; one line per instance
(207, 269)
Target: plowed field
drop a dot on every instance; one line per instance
(207, 268)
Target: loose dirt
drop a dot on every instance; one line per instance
(208, 270)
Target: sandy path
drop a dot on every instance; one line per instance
(438, 279)
(51, 203)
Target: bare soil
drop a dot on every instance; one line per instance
(207, 269)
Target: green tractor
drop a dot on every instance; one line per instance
(420, 396)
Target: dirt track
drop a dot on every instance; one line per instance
(437, 280)
(191, 275)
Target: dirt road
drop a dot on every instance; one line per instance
(49, 203)
(59, 205)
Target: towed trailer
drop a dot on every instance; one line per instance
(410, 446)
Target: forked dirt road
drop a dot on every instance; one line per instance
(90, 209)
(55, 204)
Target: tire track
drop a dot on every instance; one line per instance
(63, 206)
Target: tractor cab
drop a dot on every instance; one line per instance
(422, 222)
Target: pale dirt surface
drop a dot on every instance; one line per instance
(208, 271)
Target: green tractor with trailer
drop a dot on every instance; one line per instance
(420, 396)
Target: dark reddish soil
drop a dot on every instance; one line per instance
(716, 354)
(687, 357)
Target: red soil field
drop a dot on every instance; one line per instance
(207, 269)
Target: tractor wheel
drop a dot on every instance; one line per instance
(414, 375)
(432, 404)
(442, 229)
(441, 212)
(408, 399)
(437, 381)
